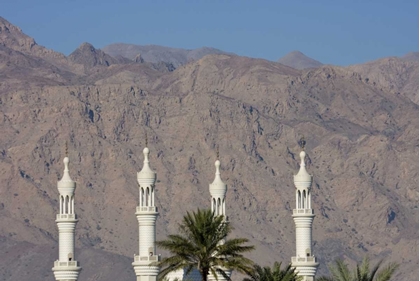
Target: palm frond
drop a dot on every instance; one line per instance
(386, 273)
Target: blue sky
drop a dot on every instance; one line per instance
(333, 32)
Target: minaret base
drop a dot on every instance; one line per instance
(66, 271)
(305, 267)
(144, 269)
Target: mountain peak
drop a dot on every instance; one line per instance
(87, 55)
(12, 37)
(298, 60)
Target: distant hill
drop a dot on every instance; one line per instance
(412, 56)
(155, 53)
(298, 60)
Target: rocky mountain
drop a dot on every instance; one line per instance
(298, 60)
(403, 80)
(412, 56)
(156, 54)
(90, 57)
(360, 123)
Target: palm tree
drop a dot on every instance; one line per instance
(202, 244)
(275, 274)
(341, 272)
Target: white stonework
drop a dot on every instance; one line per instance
(66, 268)
(303, 215)
(146, 214)
(218, 191)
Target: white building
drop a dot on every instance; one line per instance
(66, 268)
(303, 215)
(218, 191)
(146, 214)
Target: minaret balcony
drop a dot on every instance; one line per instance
(66, 216)
(66, 264)
(152, 258)
(303, 211)
(303, 259)
(146, 209)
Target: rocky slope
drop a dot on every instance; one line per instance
(298, 60)
(362, 143)
(156, 54)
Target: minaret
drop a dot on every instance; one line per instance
(218, 191)
(146, 214)
(66, 268)
(304, 261)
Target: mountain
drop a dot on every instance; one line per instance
(362, 146)
(90, 57)
(298, 60)
(412, 56)
(399, 76)
(156, 54)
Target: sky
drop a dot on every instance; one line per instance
(332, 32)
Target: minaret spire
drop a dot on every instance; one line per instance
(218, 191)
(303, 215)
(146, 214)
(66, 267)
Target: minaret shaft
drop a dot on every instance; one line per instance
(147, 228)
(146, 214)
(304, 262)
(303, 235)
(66, 238)
(66, 268)
(218, 191)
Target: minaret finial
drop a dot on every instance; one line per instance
(302, 142)
(217, 152)
(66, 149)
(146, 141)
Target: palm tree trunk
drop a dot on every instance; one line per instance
(204, 274)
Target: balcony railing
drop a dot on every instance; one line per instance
(303, 211)
(66, 216)
(66, 263)
(146, 209)
(146, 258)
(303, 259)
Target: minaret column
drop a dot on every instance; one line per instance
(304, 262)
(66, 268)
(218, 191)
(146, 214)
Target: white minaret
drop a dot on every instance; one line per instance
(304, 261)
(66, 268)
(146, 214)
(218, 191)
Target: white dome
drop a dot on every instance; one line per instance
(146, 176)
(302, 179)
(66, 185)
(218, 188)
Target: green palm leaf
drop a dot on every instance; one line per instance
(202, 244)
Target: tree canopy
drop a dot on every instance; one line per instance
(202, 244)
(341, 272)
(273, 274)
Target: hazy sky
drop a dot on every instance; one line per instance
(335, 32)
